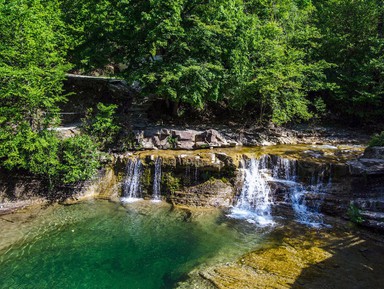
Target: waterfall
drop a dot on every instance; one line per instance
(131, 184)
(157, 181)
(285, 171)
(254, 203)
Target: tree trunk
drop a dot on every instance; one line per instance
(380, 23)
(175, 108)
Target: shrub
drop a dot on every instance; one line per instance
(170, 183)
(79, 159)
(354, 214)
(25, 149)
(172, 140)
(102, 125)
(44, 155)
(377, 140)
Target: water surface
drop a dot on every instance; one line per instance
(101, 244)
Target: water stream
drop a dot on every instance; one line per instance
(285, 171)
(131, 183)
(156, 195)
(254, 203)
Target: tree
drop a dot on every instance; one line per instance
(280, 71)
(197, 51)
(352, 41)
(32, 68)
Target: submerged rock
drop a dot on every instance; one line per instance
(299, 260)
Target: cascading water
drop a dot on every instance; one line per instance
(254, 203)
(157, 181)
(285, 171)
(131, 184)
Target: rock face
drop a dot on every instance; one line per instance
(203, 136)
(214, 178)
(181, 139)
(213, 193)
(86, 91)
(367, 186)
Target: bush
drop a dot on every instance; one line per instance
(25, 149)
(44, 155)
(170, 183)
(354, 214)
(377, 140)
(101, 126)
(79, 159)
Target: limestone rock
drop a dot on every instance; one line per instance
(186, 145)
(367, 167)
(184, 135)
(209, 194)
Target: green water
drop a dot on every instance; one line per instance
(106, 245)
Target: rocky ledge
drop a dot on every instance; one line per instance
(202, 136)
(371, 163)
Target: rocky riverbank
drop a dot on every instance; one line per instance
(297, 259)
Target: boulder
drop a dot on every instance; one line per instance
(184, 135)
(186, 145)
(374, 153)
(367, 167)
(371, 163)
(212, 138)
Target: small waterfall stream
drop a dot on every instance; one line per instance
(269, 182)
(131, 184)
(254, 203)
(157, 181)
(285, 172)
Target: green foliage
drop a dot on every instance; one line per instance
(32, 63)
(170, 183)
(43, 154)
(257, 52)
(101, 126)
(28, 150)
(377, 140)
(354, 214)
(79, 159)
(353, 41)
(172, 140)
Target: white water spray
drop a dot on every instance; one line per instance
(254, 203)
(285, 171)
(157, 181)
(131, 184)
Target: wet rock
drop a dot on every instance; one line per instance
(367, 167)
